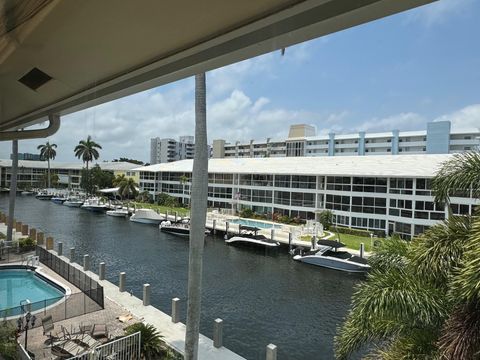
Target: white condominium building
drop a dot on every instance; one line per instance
(388, 193)
(302, 141)
(168, 150)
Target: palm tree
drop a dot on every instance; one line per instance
(422, 299)
(47, 151)
(127, 188)
(151, 342)
(198, 217)
(87, 151)
(119, 179)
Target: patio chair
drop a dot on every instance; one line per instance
(48, 327)
(99, 331)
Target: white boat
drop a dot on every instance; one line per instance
(118, 212)
(180, 228)
(58, 199)
(73, 201)
(28, 192)
(327, 255)
(44, 196)
(248, 235)
(94, 204)
(147, 216)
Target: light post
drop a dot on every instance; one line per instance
(371, 241)
(24, 323)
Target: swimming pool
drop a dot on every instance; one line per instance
(258, 224)
(19, 284)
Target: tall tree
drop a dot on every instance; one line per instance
(198, 217)
(422, 299)
(127, 188)
(13, 190)
(47, 151)
(87, 151)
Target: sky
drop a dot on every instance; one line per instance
(399, 72)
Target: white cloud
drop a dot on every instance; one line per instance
(467, 118)
(439, 11)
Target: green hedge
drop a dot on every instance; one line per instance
(359, 232)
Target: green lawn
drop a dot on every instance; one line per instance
(163, 209)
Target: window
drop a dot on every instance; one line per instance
(339, 183)
(337, 202)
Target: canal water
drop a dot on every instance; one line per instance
(263, 297)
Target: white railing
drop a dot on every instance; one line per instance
(125, 348)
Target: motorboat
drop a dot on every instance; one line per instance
(147, 216)
(27, 192)
(58, 199)
(328, 255)
(94, 204)
(73, 201)
(119, 212)
(44, 196)
(180, 228)
(248, 235)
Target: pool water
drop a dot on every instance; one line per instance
(17, 285)
(258, 224)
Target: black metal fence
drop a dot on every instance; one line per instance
(75, 276)
(60, 308)
(10, 254)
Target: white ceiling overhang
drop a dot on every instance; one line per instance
(97, 51)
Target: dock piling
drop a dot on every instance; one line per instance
(218, 333)
(272, 234)
(40, 239)
(49, 243)
(33, 234)
(146, 294)
(72, 254)
(227, 225)
(101, 271)
(175, 310)
(24, 229)
(175, 216)
(362, 250)
(122, 281)
(60, 249)
(214, 226)
(86, 262)
(271, 352)
(290, 241)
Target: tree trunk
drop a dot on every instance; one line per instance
(48, 173)
(88, 180)
(13, 190)
(198, 217)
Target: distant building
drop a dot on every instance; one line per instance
(168, 150)
(28, 156)
(302, 141)
(31, 174)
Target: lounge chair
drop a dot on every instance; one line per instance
(99, 331)
(48, 327)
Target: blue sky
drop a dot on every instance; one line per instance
(395, 73)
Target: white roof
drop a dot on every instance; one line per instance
(107, 165)
(373, 165)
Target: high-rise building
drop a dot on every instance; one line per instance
(168, 150)
(438, 138)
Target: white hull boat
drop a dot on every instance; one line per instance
(147, 216)
(328, 256)
(73, 202)
(181, 228)
(95, 205)
(27, 193)
(118, 212)
(248, 235)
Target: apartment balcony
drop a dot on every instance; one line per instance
(465, 142)
(371, 145)
(346, 146)
(316, 147)
(412, 144)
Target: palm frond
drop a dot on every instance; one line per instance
(438, 251)
(461, 334)
(458, 174)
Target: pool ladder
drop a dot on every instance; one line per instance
(33, 259)
(26, 306)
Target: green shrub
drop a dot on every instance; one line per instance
(246, 213)
(167, 200)
(152, 344)
(8, 344)
(359, 232)
(2, 236)
(26, 244)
